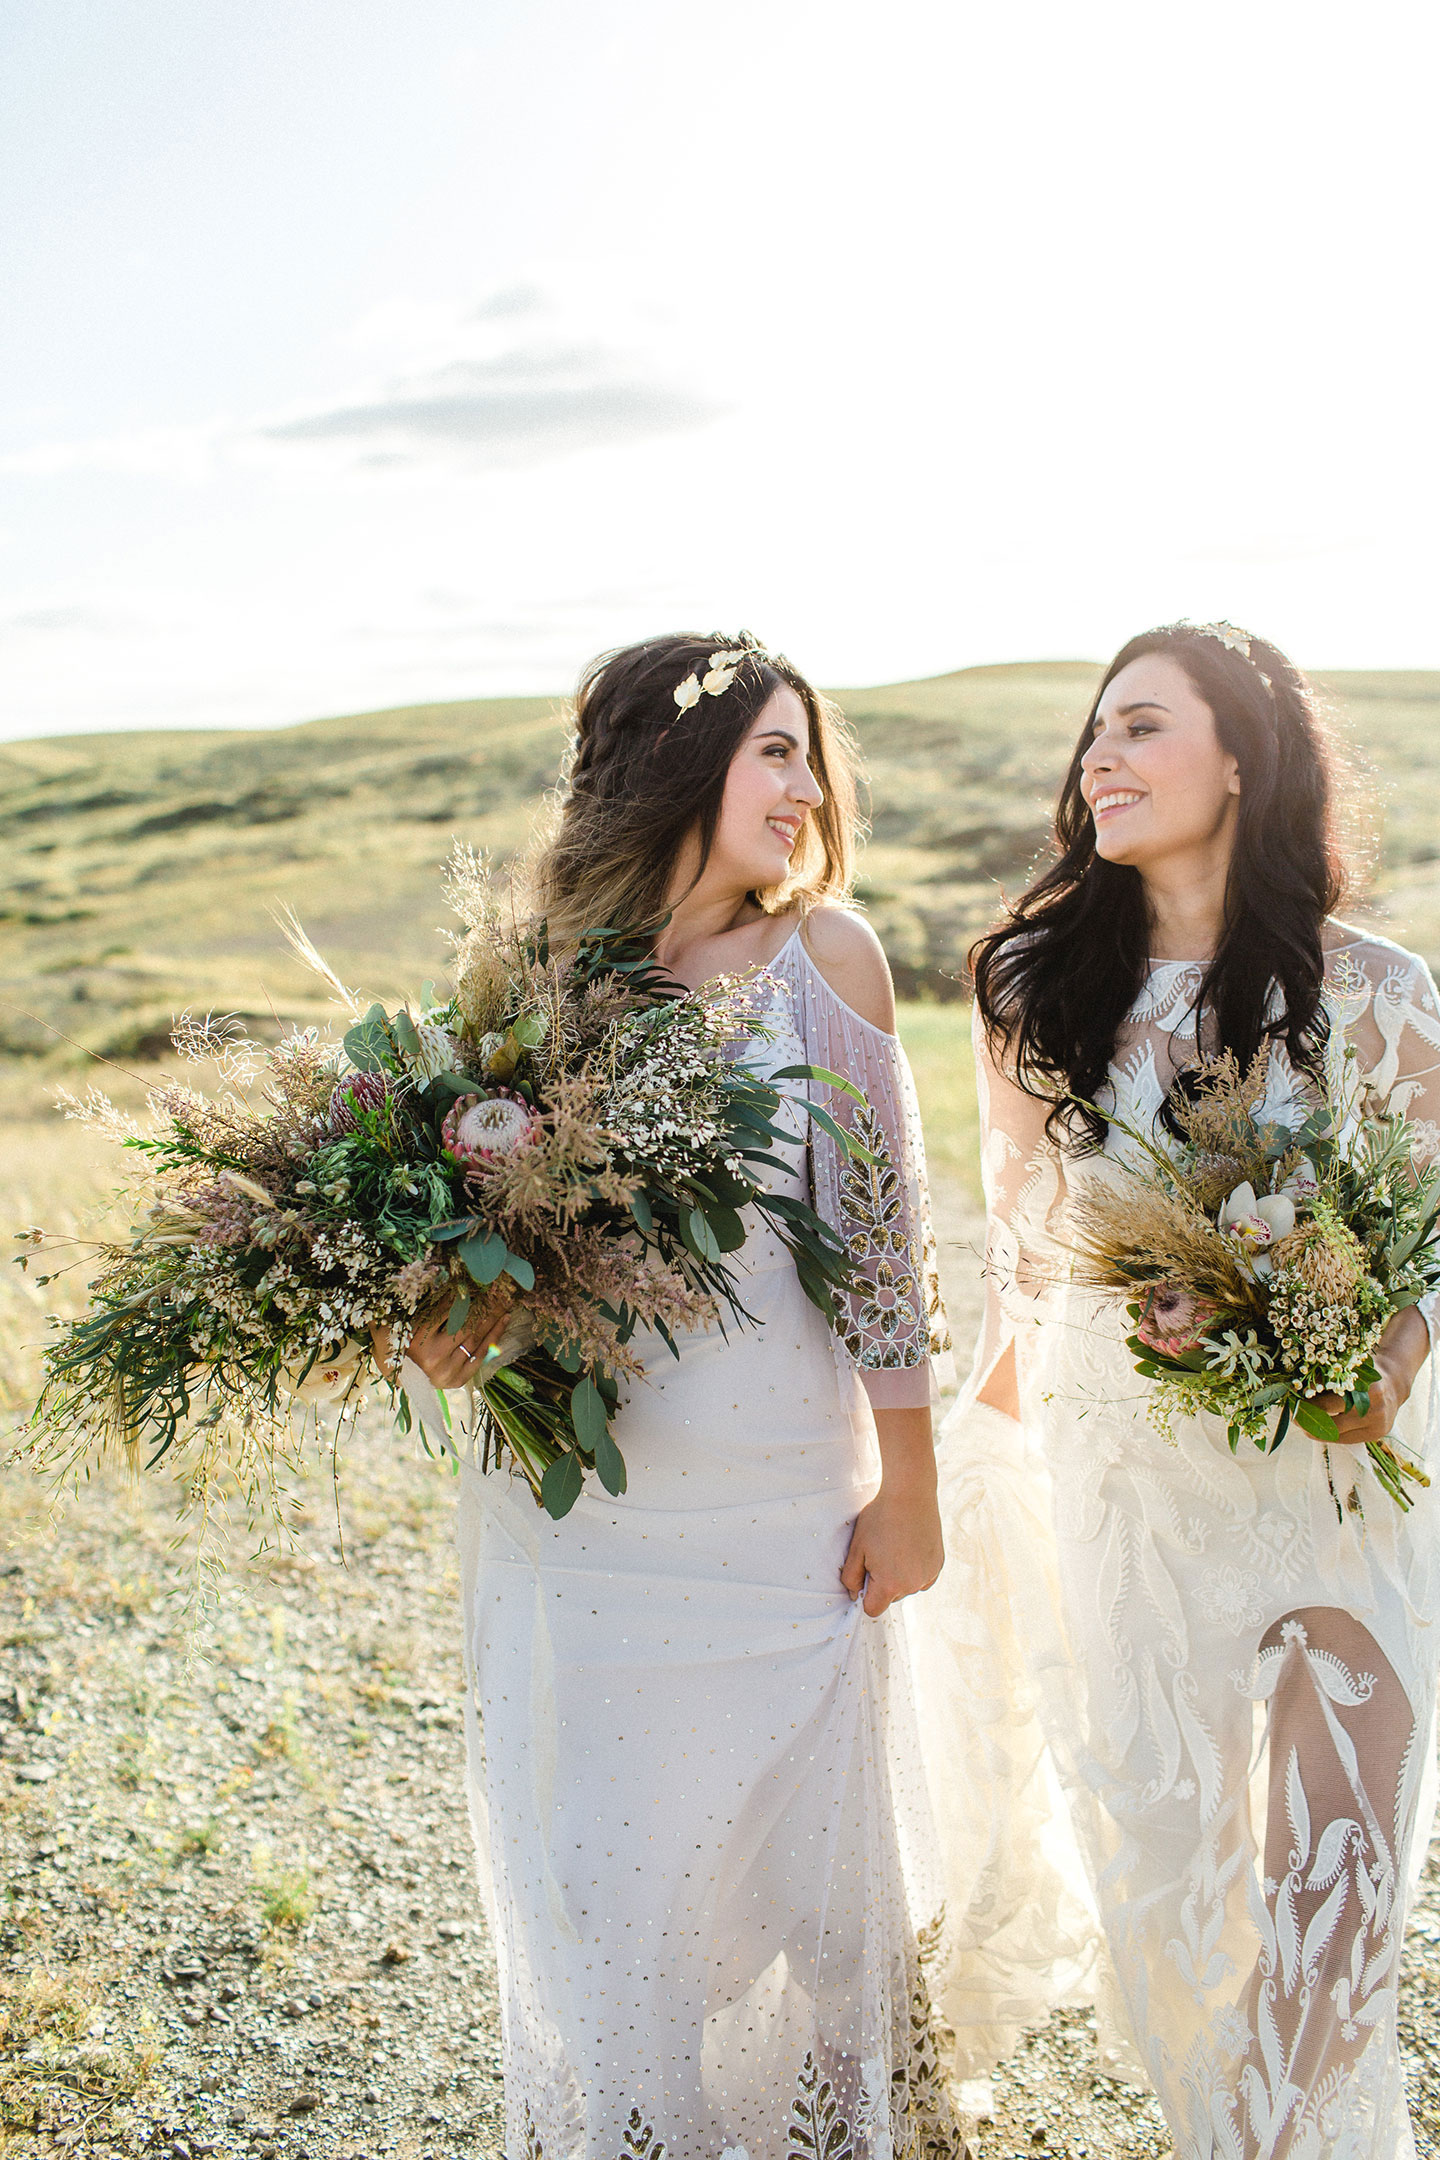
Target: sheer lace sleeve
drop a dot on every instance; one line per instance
(1024, 1191)
(893, 1324)
(1383, 1004)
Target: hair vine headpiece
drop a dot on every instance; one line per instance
(724, 666)
(1226, 634)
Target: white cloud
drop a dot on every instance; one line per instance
(471, 397)
(530, 404)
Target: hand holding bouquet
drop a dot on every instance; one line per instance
(1263, 1260)
(567, 1138)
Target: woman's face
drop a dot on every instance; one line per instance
(769, 792)
(1159, 784)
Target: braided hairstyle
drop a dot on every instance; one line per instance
(1056, 978)
(643, 775)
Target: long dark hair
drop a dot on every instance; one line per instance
(1055, 979)
(645, 774)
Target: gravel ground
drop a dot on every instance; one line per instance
(239, 1905)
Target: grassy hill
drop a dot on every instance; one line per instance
(139, 872)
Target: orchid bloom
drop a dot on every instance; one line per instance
(1303, 1183)
(1252, 1224)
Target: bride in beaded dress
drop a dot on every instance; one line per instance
(1227, 1662)
(695, 1781)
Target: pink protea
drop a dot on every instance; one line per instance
(356, 1092)
(1173, 1320)
(480, 1127)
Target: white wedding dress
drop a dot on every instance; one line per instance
(1227, 1663)
(695, 1781)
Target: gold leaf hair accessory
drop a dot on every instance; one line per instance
(722, 672)
(1227, 635)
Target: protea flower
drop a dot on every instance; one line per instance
(439, 1051)
(356, 1093)
(1327, 1257)
(480, 1127)
(1173, 1320)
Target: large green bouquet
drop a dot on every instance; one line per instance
(568, 1143)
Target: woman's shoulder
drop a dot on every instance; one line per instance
(1350, 950)
(849, 958)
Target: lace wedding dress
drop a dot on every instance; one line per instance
(1228, 1663)
(695, 1780)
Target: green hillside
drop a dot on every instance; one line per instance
(139, 871)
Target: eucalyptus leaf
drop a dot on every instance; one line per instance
(484, 1255)
(369, 1045)
(610, 1464)
(698, 1235)
(561, 1485)
(587, 1412)
(726, 1228)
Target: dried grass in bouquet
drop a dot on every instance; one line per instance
(1262, 1260)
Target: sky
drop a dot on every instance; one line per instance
(373, 352)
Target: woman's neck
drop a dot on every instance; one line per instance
(699, 924)
(1187, 913)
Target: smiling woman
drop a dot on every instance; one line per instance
(1198, 822)
(695, 1778)
(1228, 1650)
(652, 794)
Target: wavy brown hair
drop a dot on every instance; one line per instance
(643, 776)
(1056, 977)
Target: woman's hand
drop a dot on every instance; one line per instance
(1399, 1354)
(446, 1360)
(896, 1546)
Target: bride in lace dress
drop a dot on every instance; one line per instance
(1228, 1662)
(695, 1781)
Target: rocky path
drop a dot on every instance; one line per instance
(239, 1912)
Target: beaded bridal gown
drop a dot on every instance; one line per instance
(695, 1782)
(1228, 1663)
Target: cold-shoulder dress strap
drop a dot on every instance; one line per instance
(893, 1324)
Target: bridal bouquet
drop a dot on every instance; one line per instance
(1262, 1260)
(563, 1144)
